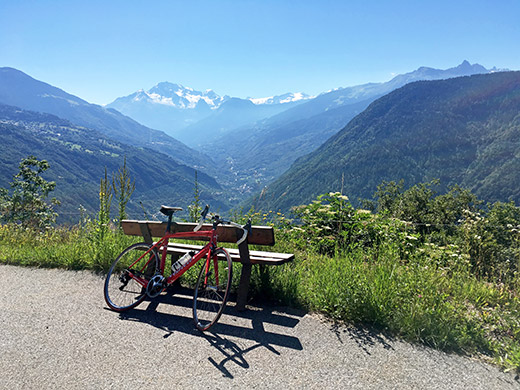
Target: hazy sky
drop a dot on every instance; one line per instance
(100, 50)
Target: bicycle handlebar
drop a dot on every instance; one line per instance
(244, 236)
(219, 221)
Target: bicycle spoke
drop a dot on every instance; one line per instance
(210, 296)
(124, 285)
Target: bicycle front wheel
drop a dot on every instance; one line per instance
(124, 287)
(212, 290)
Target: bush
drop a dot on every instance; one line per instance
(27, 204)
(489, 236)
(492, 241)
(331, 224)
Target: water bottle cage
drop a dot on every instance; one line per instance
(181, 262)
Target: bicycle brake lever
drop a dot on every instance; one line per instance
(202, 218)
(244, 236)
(205, 212)
(197, 228)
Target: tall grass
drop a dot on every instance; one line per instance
(72, 247)
(443, 307)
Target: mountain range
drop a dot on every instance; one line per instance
(464, 130)
(185, 113)
(249, 142)
(259, 152)
(20, 90)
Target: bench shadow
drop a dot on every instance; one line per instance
(247, 325)
(364, 336)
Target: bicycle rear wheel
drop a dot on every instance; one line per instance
(212, 290)
(122, 290)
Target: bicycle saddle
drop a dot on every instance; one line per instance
(167, 210)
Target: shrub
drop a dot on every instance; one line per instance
(27, 204)
(330, 224)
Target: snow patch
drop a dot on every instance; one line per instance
(71, 102)
(156, 98)
(281, 99)
(261, 100)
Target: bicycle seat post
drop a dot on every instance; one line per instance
(169, 223)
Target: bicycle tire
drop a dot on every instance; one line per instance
(123, 292)
(209, 299)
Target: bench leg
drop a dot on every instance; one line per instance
(243, 288)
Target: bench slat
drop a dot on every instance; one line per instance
(257, 257)
(259, 235)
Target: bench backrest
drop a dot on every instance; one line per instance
(259, 235)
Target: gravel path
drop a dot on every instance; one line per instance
(56, 332)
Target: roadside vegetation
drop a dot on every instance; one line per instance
(437, 269)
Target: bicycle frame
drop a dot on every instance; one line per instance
(162, 244)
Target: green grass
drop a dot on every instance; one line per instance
(442, 307)
(418, 298)
(72, 248)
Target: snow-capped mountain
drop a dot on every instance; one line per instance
(176, 95)
(173, 107)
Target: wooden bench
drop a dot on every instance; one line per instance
(258, 235)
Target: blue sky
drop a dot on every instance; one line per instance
(100, 50)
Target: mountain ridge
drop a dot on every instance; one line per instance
(183, 112)
(21, 90)
(462, 130)
(262, 151)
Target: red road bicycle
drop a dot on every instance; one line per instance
(138, 272)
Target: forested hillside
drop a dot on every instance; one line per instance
(260, 152)
(78, 157)
(463, 131)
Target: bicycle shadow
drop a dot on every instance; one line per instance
(246, 325)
